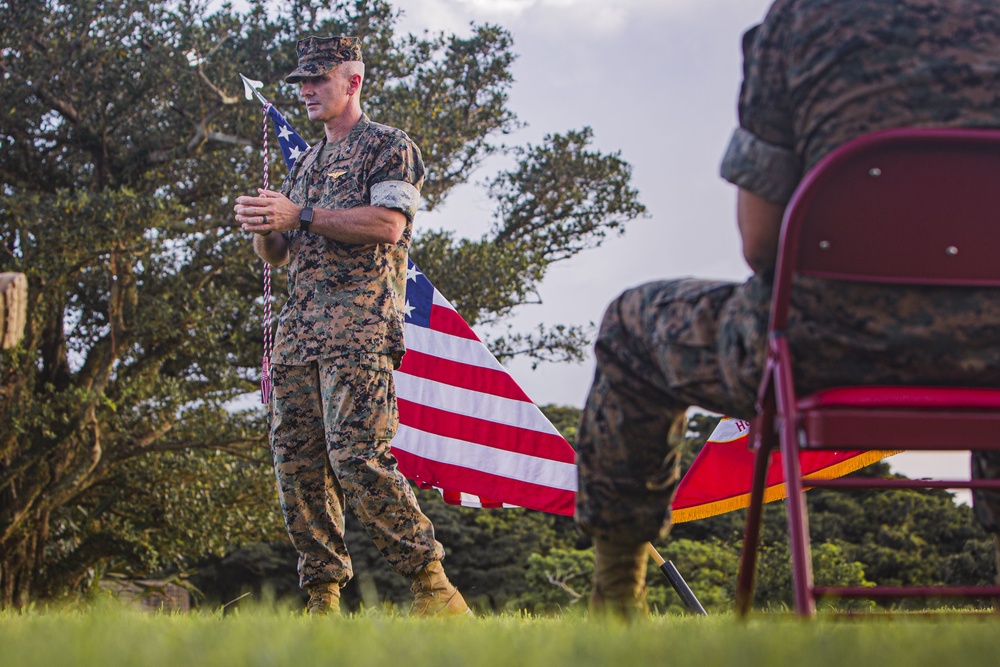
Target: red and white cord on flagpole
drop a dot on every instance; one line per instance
(265, 368)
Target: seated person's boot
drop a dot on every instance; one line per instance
(619, 580)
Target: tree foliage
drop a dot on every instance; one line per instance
(124, 139)
(560, 200)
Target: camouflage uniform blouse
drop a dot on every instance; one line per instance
(818, 73)
(347, 300)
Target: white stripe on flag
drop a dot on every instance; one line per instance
(520, 467)
(469, 500)
(446, 346)
(440, 300)
(524, 415)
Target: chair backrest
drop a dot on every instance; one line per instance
(905, 206)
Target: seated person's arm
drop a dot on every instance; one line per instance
(760, 226)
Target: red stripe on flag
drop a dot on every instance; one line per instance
(455, 373)
(455, 498)
(487, 433)
(449, 321)
(456, 478)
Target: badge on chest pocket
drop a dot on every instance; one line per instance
(341, 187)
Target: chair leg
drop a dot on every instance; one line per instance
(798, 524)
(751, 535)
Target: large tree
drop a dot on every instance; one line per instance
(124, 139)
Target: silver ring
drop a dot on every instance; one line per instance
(264, 219)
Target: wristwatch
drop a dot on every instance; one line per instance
(305, 218)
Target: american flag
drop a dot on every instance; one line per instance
(465, 426)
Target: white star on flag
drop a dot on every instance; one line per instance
(292, 145)
(412, 272)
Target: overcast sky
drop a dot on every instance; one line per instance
(658, 81)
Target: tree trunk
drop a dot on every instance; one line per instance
(16, 559)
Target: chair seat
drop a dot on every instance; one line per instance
(903, 417)
(904, 397)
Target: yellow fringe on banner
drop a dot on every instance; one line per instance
(778, 491)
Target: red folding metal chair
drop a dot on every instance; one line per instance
(908, 206)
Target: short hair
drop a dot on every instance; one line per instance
(353, 67)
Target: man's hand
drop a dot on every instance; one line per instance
(269, 212)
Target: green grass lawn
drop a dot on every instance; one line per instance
(113, 635)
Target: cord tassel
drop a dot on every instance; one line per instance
(265, 366)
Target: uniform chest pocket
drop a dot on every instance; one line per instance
(340, 185)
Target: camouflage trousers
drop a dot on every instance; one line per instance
(330, 431)
(662, 348)
(666, 346)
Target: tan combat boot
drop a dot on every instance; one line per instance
(434, 595)
(324, 599)
(619, 580)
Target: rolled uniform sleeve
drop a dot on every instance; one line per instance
(397, 176)
(761, 156)
(764, 169)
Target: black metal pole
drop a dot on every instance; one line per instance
(683, 590)
(677, 581)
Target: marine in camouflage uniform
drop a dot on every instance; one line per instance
(817, 73)
(339, 337)
(340, 334)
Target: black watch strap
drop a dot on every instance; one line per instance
(305, 218)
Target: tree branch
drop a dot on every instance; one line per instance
(65, 109)
(561, 583)
(70, 485)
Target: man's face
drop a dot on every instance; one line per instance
(325, 96)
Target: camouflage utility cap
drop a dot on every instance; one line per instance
(319, 55)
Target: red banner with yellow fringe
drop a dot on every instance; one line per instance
(719, 479)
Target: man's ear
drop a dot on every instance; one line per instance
(354, 84)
